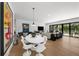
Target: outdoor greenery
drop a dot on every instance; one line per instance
(66, 28)
(60, 28)
(73, 26)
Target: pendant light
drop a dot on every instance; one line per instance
(33, 24)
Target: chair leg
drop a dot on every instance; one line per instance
(27, 53)
(39, 54)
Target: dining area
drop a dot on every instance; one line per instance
(33, 42)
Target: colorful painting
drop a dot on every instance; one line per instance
(7, 26)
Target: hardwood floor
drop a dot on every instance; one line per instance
(67, 46)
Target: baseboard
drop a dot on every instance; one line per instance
(7, 53)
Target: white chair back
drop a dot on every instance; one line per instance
(22, 40)
(45, 40)
(25, 46)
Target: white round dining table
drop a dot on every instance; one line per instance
(37, 39)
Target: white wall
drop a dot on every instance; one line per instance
(19, 23)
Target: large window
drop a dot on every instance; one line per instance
(70, 29)
(75, 29)
(66, 29)
(55, 27)
(51, 28)
(60, 28)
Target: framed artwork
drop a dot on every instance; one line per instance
(8, 26)
(25, 28)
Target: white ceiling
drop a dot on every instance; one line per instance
(46, 11)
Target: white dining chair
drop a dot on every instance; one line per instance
(41, 47)
(45, 40)
(26, 47)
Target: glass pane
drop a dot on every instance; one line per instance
(60, 28)
(66, 29)
(75, 29)
(54, 28)
(51, 28)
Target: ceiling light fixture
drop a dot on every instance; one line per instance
(33, 24)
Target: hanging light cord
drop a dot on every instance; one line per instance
(33, 15)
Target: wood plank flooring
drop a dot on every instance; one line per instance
(66, 46)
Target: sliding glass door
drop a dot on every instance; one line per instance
(51, 28)
(55, 28)
(60, 28)
(66, 29)
(70, 29)
(75, 29)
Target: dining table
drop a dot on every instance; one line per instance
(35, 40)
